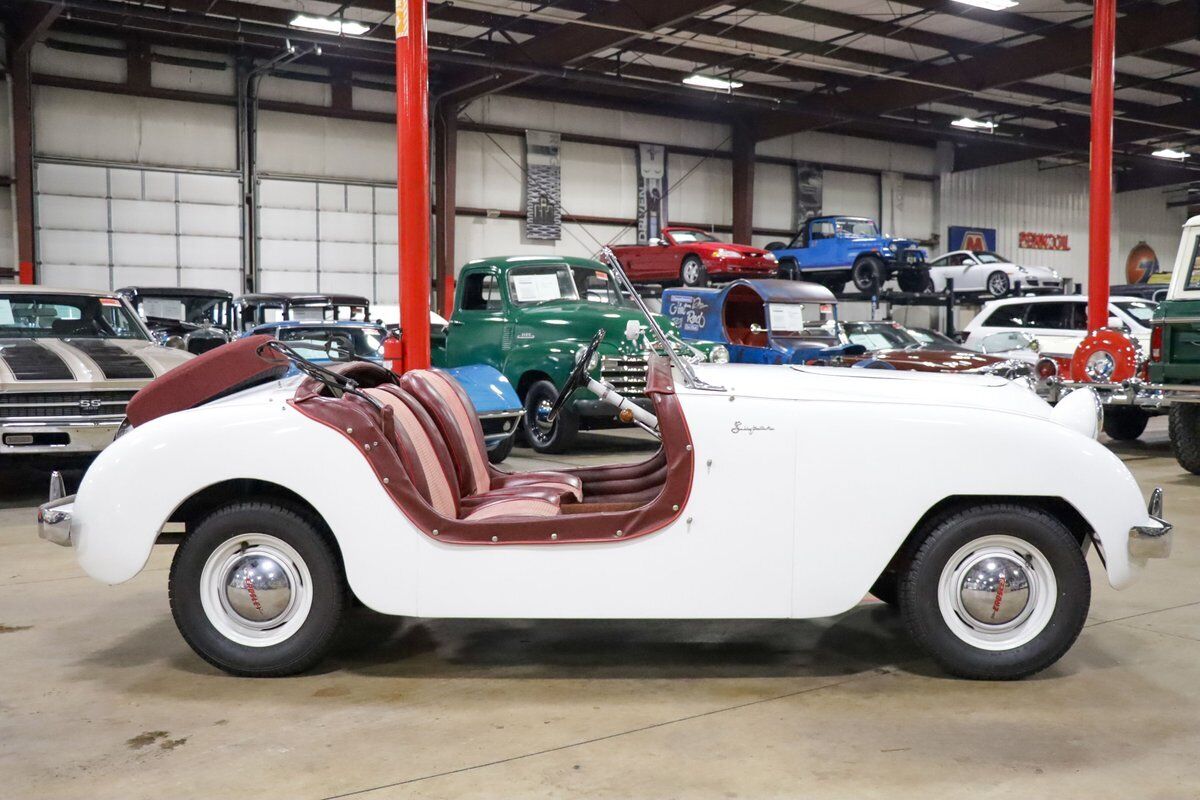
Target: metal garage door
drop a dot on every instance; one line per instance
(106, 227)
(327, 237)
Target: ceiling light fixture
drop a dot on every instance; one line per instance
(327, 25)
(1166, 152)
(974, 124)
(711, 82)
(990, 5)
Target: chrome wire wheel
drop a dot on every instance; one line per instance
(997, 592)
(256, 590)
(998, 284)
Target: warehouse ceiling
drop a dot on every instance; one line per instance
(900, 70)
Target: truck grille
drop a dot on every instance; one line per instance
(39, 405)
(626, 374)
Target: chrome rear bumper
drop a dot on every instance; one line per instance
(1154, 540)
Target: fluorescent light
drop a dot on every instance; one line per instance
(327, 25)
(973, 124)
(1167, 152)
(990, 5)
(711, 82)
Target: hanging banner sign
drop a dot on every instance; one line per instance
(652, 192)
(543, 185)
(1042, 241)
(809, 192)
(966, 237)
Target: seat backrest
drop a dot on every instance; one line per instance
(421, 449)
(456, 418)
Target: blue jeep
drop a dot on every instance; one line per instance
(834, 250)
(761, 321)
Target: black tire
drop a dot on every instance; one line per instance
(501, 451)
(998, 285)
(915, 280)
(948, 536)
(310, 642)
(1125, 423)
(868, 275)
(692, 272)
(789, 270)
(887, 589)
(556, 438)
(1184, 430)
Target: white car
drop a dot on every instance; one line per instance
(989, 272)
(748, 510)
(70, 360)
(1058, 322)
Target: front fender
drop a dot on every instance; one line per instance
(133, 487)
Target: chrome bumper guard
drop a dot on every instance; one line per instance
(54, 516)
(1152, 541)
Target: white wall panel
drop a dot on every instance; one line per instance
(852, 151)
(79, 65)
(72, 213)
(320, 147)
(597, 180)
(193, 79)
(1143, 216)
(851, 193)
(701, 189)
(489, 171)
(774, 196)
(75, 276)
(96, 126)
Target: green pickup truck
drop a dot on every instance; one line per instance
(1175, 349)
(527, 316)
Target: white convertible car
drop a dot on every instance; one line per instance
(989, 272)
(985, 557)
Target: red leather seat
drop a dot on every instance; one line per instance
(454, 414)
(424, 455)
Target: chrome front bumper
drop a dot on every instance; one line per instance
(54, 516)
(1154, 540)
(79, 436)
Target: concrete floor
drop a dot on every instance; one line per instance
(100, 698)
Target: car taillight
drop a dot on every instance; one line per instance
(1046, 368)
(1156, 342)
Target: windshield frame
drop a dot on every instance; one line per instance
(698, 236)
(51, 298)
(556, 266)
(841, 224)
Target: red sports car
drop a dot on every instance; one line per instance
(690, 256)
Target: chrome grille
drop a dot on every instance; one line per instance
(39, 405)
(627, 374)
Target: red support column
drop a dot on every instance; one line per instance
(1104, 32)
(412, 184)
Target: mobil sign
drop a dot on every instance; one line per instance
(973, 238)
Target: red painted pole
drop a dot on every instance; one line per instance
(1104, 32)
(412, 180)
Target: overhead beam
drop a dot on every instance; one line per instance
(1067, 50)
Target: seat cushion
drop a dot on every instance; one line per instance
(561, 481)
(513, 507)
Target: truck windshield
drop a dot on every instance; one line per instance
(541, 284)
(690, 237)
(597, 286)
(44, 316)
(197, 310)
(857, 228)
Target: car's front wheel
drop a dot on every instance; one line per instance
(868, 275)
(996, 591)
(1184, 431)
(545, 436)
(998, 284)
(692, 272)
(258, 590)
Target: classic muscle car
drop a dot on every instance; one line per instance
(496, 403)
(761, 321)
(984, 556)
(526, 316)
(691, 257)
(263, 307)
(69, 362)
(890, 345)
(834, 250)
(196, 320)
(985, 271)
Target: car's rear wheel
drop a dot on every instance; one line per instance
(1125, 423)
(545, 436)
(500, 451)
(258, 590)
(1184, 430)
(868, 275)
(915, 280)
(692, 272)
(998, 284)
(996, 592)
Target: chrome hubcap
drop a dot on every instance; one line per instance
(994, 589)
(999, 285)
(258, 588)
(691, 273)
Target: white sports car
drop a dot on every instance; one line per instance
(985, 271)
(744, 512)
(70, 361)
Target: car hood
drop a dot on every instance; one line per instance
(72, 361)
(582, 319)
(847, 384)
(489, 390)
(935, 360)
(712, 247)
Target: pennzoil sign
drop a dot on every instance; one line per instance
(1028, 240)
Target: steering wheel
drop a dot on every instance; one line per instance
(577, 378)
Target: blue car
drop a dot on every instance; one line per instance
(762, 321)
(834, 250)
(495, 400)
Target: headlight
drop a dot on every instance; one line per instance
(1054, 272)
(719, 354)
(727, 254)
(770, 257)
